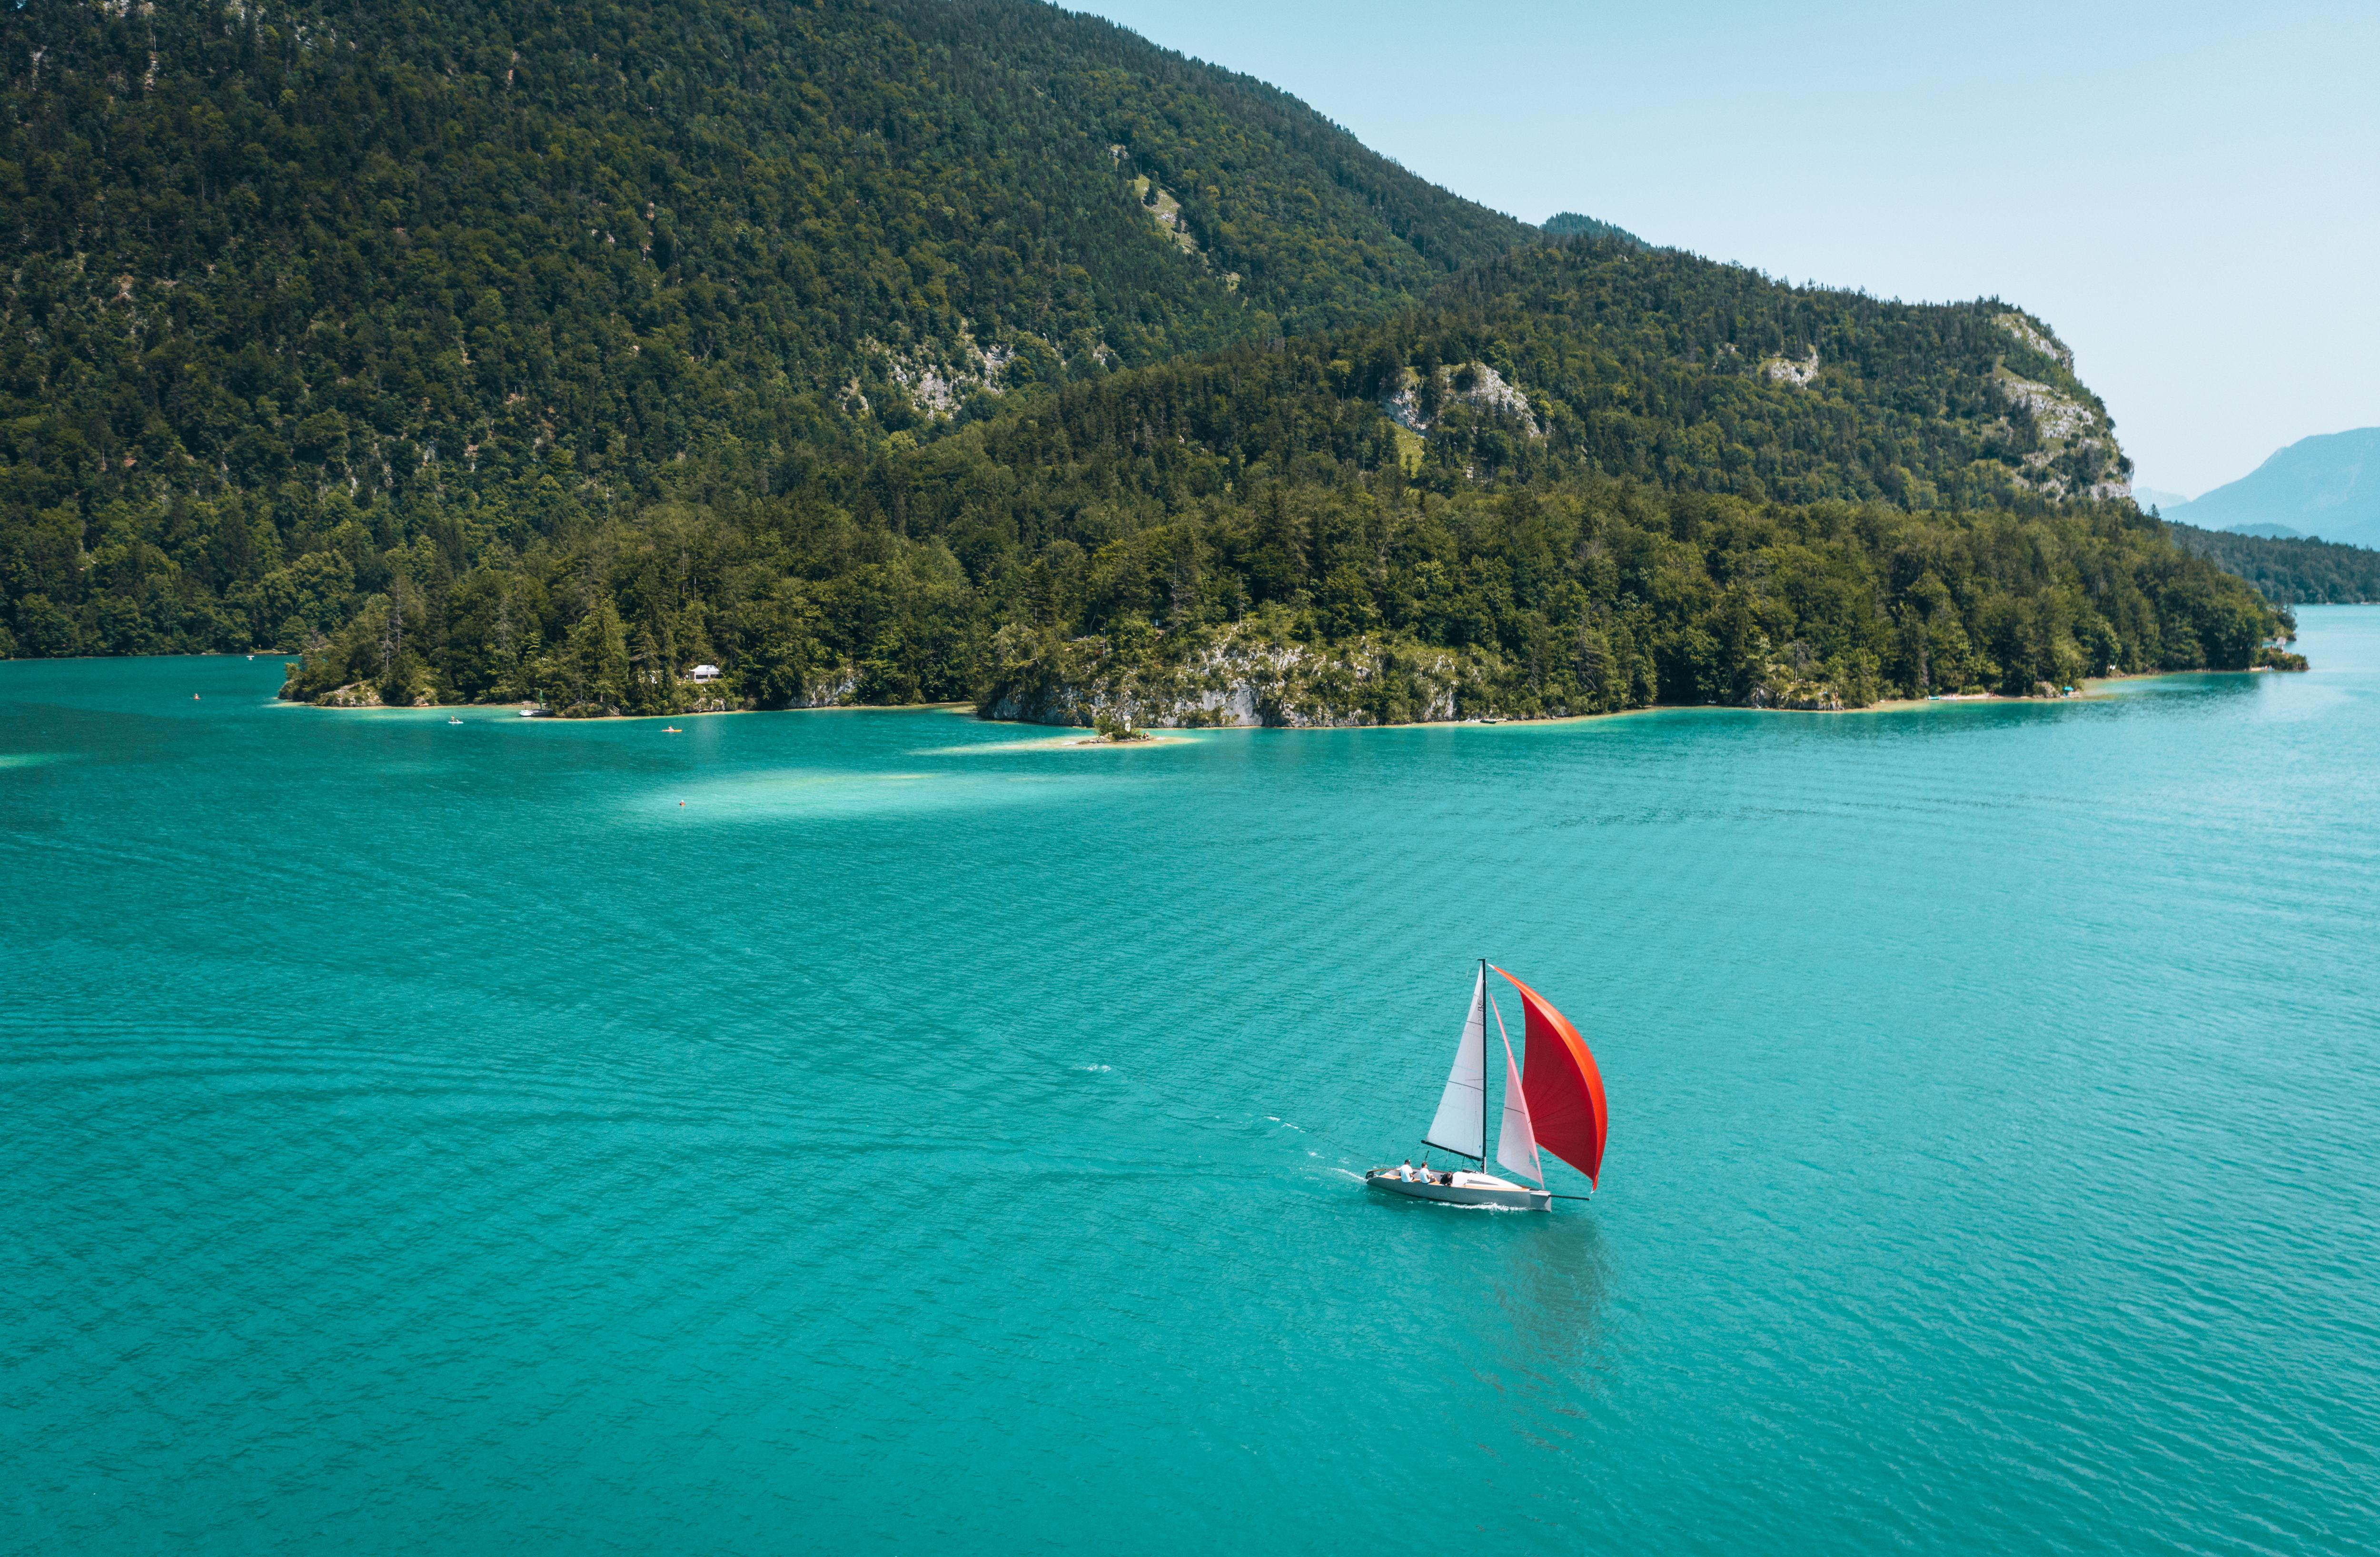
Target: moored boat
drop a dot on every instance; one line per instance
(1555, 1104)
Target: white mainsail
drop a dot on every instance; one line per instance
(1462, 1108)
(1516, 1139)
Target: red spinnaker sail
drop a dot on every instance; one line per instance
(1565, 1090)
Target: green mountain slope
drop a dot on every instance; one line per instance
(474, 248)
(921, 351)
(1671, 369)
(1587, 359)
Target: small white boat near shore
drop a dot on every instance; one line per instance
(1555, 1103)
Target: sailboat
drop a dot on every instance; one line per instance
(1556, 1105)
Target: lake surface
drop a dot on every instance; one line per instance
(866, 1131)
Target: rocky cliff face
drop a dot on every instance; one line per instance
(1245, 675)
(1471, 383)
(1233, 676)
(2077, 453)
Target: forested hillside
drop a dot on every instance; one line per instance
(2303, 572)
(511, 266)
(1663, 366)
(919, 350)
(1253, 530)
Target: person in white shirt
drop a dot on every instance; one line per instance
(1404, 1170)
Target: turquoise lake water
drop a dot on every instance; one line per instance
(885, 1131)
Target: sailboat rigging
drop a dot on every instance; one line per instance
(1553, 1104)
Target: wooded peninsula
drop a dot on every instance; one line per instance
(904, 352)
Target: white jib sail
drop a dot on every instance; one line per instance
(1462, 1107)
(1516, 1139)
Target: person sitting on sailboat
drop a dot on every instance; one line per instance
(1404, 1170)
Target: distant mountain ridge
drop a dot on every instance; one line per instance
(2326, 487)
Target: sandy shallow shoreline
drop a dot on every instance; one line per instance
(1079, 736)
(485, 709)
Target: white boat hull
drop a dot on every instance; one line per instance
(1468, 1188)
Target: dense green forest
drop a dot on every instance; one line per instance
(1259, 505)
(2301, 572)
(273, 270)
(1667, 368)
(917, 350)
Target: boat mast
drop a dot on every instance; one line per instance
(1483, 1066)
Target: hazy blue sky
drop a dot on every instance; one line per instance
(2190, 193)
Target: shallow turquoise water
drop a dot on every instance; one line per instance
(871, 1132)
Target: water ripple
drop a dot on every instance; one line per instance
(927, 1137)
